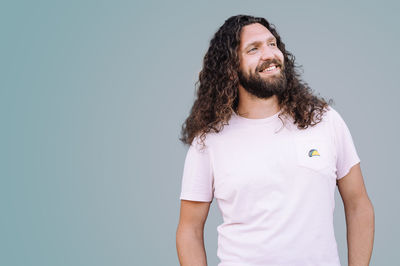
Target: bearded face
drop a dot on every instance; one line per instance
(261, 71)
(266, 80)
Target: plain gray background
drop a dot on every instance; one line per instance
(93, 95)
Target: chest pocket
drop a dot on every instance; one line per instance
(313, 154)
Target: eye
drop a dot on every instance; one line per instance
(252, 49)
(273, 43)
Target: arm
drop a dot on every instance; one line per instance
(360, 217)
(189, 234)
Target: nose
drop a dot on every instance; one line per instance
(267, 53)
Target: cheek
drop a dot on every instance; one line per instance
(248, 66)
(280, 55)
(252, 64)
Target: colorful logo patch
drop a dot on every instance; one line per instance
(313, 152)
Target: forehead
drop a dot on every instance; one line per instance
(252, 33)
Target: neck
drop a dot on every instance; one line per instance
(256, 108)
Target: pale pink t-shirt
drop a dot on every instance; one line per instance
(274, 185)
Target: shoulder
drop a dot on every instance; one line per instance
(203, 142)
(331, 115)
(211, 138)
(336, 118)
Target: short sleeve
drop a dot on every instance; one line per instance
(346, 152)
(197, 179)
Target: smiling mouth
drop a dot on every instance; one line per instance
(270, 69)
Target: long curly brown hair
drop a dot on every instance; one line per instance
(217, 87)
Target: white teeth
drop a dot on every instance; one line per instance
(270, 68)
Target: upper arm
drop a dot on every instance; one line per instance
(198, 177)
(351, 188)
(193, 214)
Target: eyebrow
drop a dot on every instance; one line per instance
(255, 43)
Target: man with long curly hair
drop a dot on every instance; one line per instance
(271, 153)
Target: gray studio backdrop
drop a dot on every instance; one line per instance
(93, 95)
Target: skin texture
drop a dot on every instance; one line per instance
(360, 217)
(360, 222)
(217, 92)
(358, 208)
(251, 56)
(190, 233)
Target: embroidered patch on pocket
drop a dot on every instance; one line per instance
(313, 154)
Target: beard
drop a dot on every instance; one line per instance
(263, 88)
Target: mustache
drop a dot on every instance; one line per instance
(266, 63)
